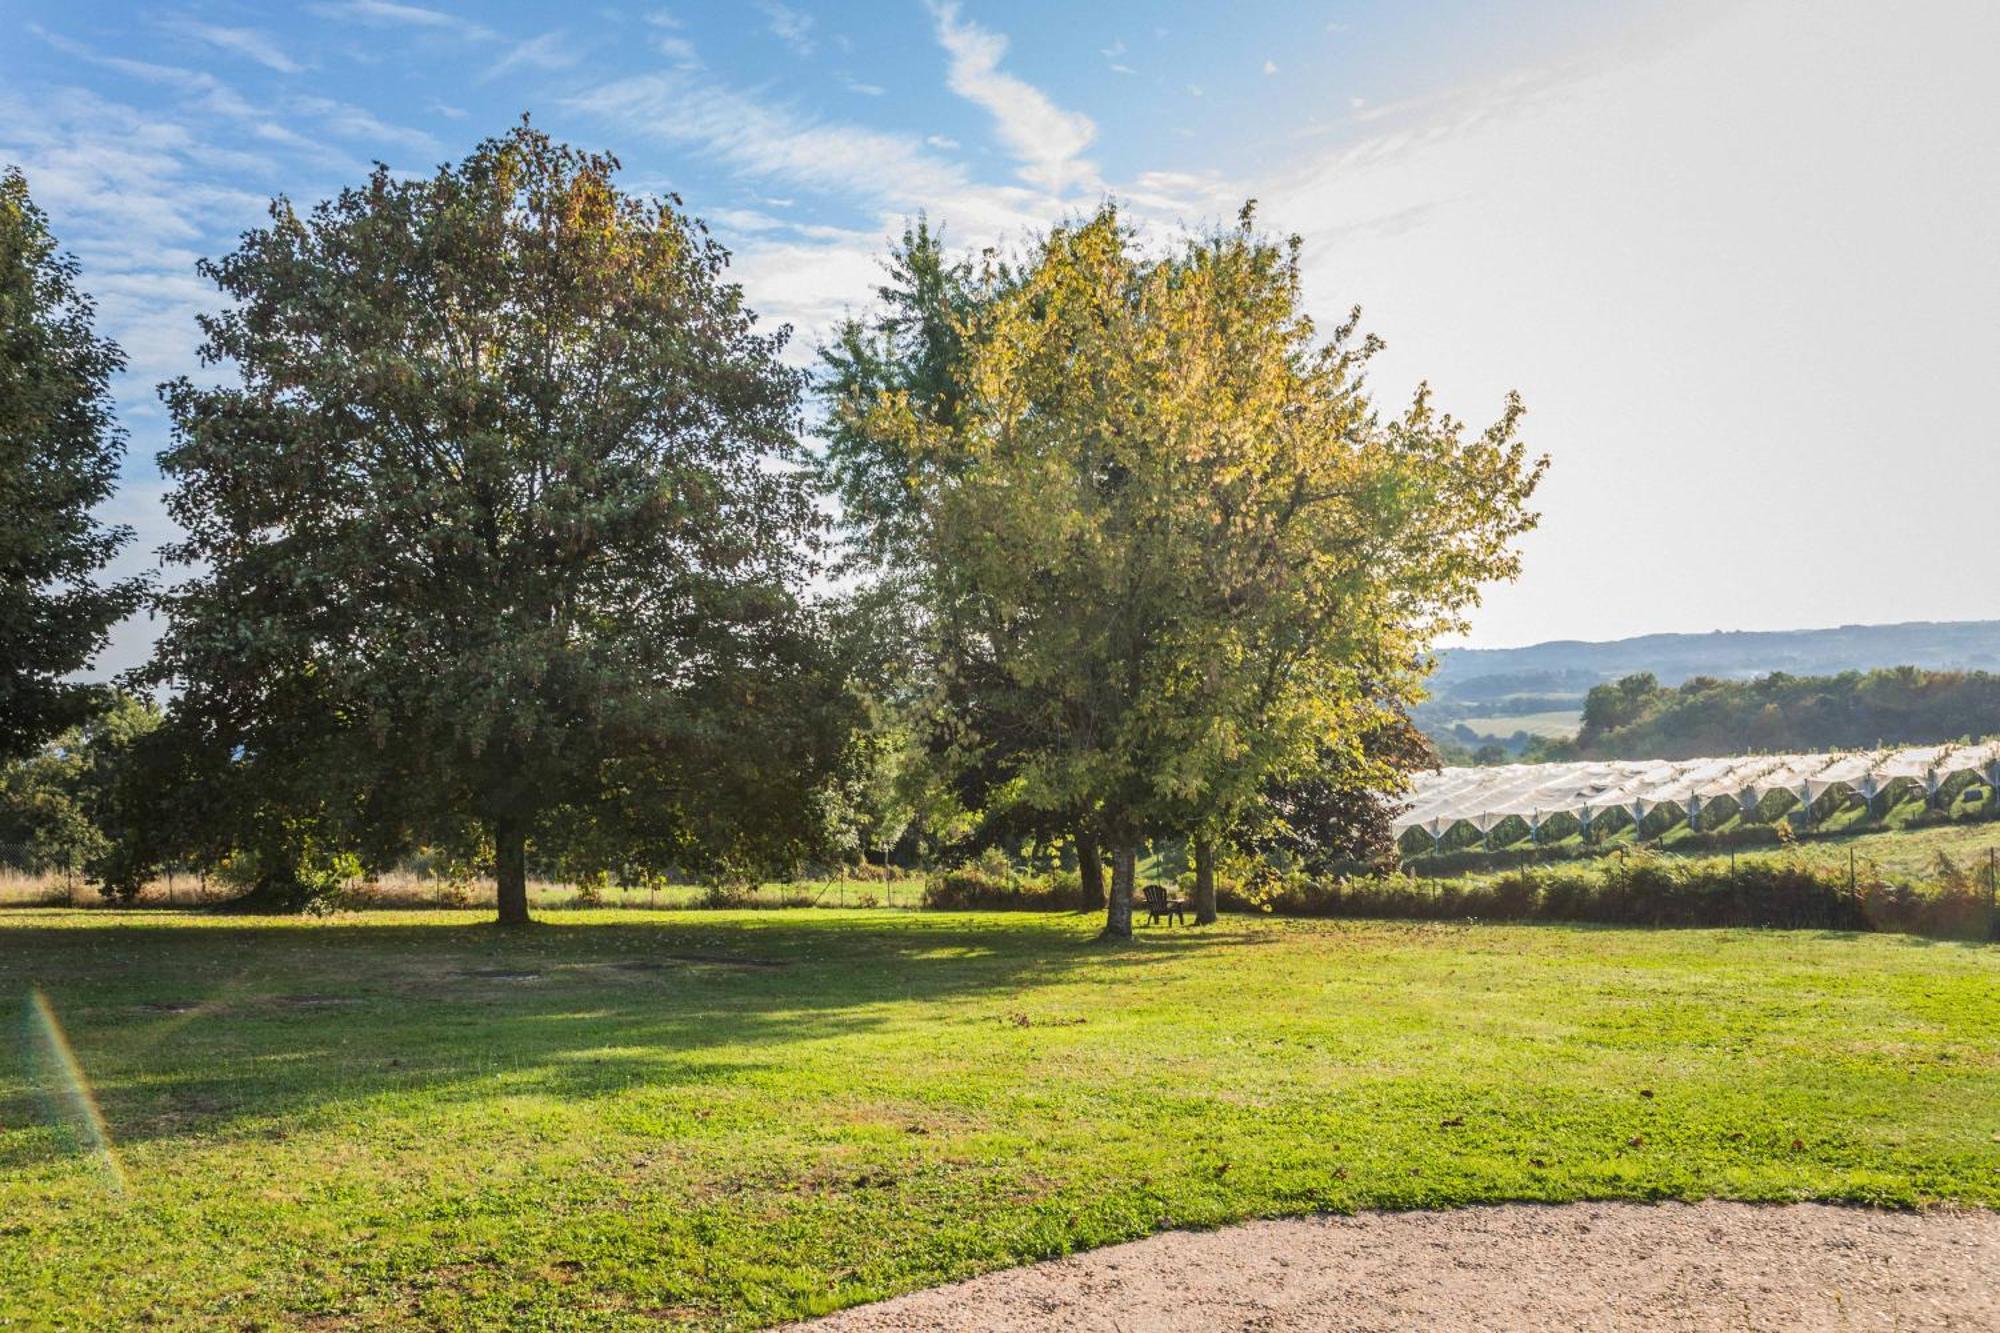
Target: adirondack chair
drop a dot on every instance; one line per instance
(1161, 904)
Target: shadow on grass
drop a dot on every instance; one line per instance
(256, 1028)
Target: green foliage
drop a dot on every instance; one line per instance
(59, 454)
(1337, 812)
(911, 349)
(1637, 717)
(57, 806)
(502, 529)
(1169, 550)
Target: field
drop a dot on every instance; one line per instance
(1559, 724)
(732, 1118)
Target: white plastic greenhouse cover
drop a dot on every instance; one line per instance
(1483, 797)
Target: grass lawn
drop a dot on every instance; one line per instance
(735, 1118)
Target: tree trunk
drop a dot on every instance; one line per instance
(1090, 870)
(510, 869)
(1118, 913)
(1204, 881)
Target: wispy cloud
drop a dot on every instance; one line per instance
(364, 126)
(789, 26)
(1047, 140)
(774, 141)
(677, 49)
(545, 52)
(211, 92)
(388, 12)
(246, 42)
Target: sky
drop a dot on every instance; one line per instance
(1737, 257)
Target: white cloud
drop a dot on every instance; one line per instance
(679, 50)
(1270, 67)
(775, 142)
(865, 89)
(380, 13)
(194, 83)
(246, 42)
(364, 126)
(1047, 140)
(789, 26)
(945, 142)
(546, 52)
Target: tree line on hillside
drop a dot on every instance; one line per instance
(1638, 718)
(502, 538)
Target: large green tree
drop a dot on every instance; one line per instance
(59, 452)
(1170, 532)
(504, 517)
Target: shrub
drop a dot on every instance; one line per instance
(971, 887)
(727, 893)
(1647, 890)
(590, 889)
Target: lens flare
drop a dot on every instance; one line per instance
(68, 1083)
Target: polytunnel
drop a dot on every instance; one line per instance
(1484, 797)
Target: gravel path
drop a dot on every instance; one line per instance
(1521, 1267)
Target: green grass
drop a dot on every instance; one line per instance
(1908, 851)
(352, 1126)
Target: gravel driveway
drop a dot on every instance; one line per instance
(1519, 1267)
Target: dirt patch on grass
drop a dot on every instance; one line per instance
(1519, 1267)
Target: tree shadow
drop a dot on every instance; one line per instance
(214, 1028)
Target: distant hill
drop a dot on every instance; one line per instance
(1488, 691)
(1962, 645)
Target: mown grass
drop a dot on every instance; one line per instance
(732, 1118)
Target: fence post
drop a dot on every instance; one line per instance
(1992, 922)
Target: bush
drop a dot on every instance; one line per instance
(971, 887)
(1647, 890)
(590, 889)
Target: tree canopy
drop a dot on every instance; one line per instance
(504, 517)
(1637, 717)
(60, 447)
(1172, 551)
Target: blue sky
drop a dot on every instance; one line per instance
(1736, 255)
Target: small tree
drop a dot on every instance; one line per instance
(57, 806)
(1173, 551)
(507, 502)
(59, 454)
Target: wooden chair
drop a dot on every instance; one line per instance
(1160, 904)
